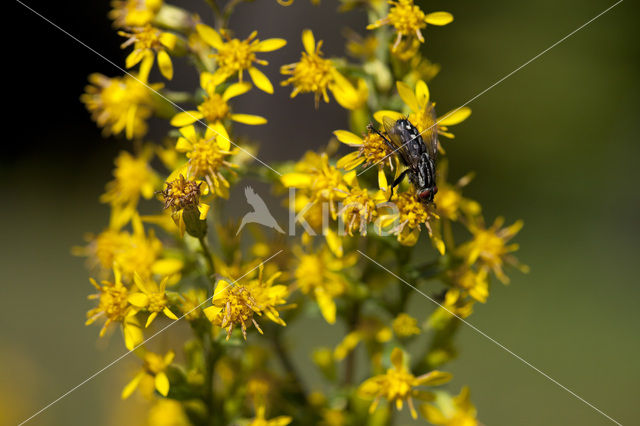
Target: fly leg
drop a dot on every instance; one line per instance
(397, 181)
(371, 128)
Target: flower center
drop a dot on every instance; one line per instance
(157, 302)
(234, 56)
(214, 108)
(113, 301)
(312, 73)
(205, 157)
(406, 17)
(411, 210)
(181, 193)
(374, 149)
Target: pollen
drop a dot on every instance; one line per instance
(407, 18)
(146, 37)
(214, 108)
(373, 149)
(181, 193)
(236, 55)
(412, 212)
(359, 210)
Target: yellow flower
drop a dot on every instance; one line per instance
(113, 303)
(449, 198)
(148, 42)
(404, 325)
(152, 376)
(183, 197)
(456, 411)
(191, 301)
(235, 56)
(119, 104)
(134, 13)
(410, 216)
(490, 249)
(319, 274)
(423, 114)
(398, 384)
(364, 48)
(133, 252)
(260, 419)
(408, 20)
(236, 304)
(475, 283)
(207, 157)
(371, 150)
(317, 75)
(455, 304)
(151, 298)
(215, 108)
(133, 178)
(168, 412)
(359, 210)
(320, 179)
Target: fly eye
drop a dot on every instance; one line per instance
(423, 195)
(435, 190)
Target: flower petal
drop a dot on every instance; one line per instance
(209, 35)
(162, 383)
(222, 138)
(132, 385)
(382, 179)
(185, 118)
(250, 119)
(236, 89)
(168, 40)
(169, 314)
(327, 306)
(394, 115)
(438, 18)
(397, 359)
(164, 62)
(296, 180)
(348, 138)
(270, 44)
(138, 299)
(334, 242)
(204, 210)
(189, 132)
(260, 80)
(407, 95)
(434, 378)
(455, 116)
(308, 41)
(152, 316)
(422, 93)
(167, 266)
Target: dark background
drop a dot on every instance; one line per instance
(555, 145)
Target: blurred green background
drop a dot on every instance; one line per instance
(556, 145)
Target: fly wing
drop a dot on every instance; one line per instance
(399, 146)
(432, 146)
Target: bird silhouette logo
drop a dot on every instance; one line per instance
(260, 213)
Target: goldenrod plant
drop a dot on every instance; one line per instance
(168, 254)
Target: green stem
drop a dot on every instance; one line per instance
(211, 270)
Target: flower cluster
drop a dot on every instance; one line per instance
(169, 254)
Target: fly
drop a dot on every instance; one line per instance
(404, 139)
